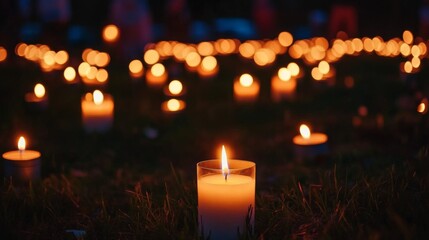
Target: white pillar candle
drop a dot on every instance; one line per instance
(226, 197)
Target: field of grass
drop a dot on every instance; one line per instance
(138, 180)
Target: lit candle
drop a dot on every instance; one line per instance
(135, 68)
(226, 197)
(97, 111)
(283, 85)
(309, 145)
(38, 98)
(174, 88)
(422, 107)
(246, 88)
(70, 75)
(22, 164)
(173, 106)
(111, 33)
(156, 76)
(208, 67)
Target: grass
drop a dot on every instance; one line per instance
(128, 184)
(331, 204)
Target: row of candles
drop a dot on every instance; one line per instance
(226, 188)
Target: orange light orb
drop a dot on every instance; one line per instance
(111, 33)
(69, 74)
(3, 54)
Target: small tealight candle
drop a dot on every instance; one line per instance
(173, 105)
(38, 98)
(97, 111)
(246, 88)
(22, 165)
(226, 197)
(283, 85)
(309, 145)
(156, 76)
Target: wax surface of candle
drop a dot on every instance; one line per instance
(315, 138)
(21, 155)
(90, 108)
(223, 205)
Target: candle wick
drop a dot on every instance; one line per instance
(226, 177)
(20, 153)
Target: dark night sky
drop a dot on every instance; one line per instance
(386, 17)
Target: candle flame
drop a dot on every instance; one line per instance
(173, 105)
(175, 87)
(21, 143)
(304, 131)
(98, 97)
(39, 90)
(284, 74)
(225, 168)
(423, 106)
(246, 80)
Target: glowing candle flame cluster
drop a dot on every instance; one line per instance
(47, 59)
(92, 70)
